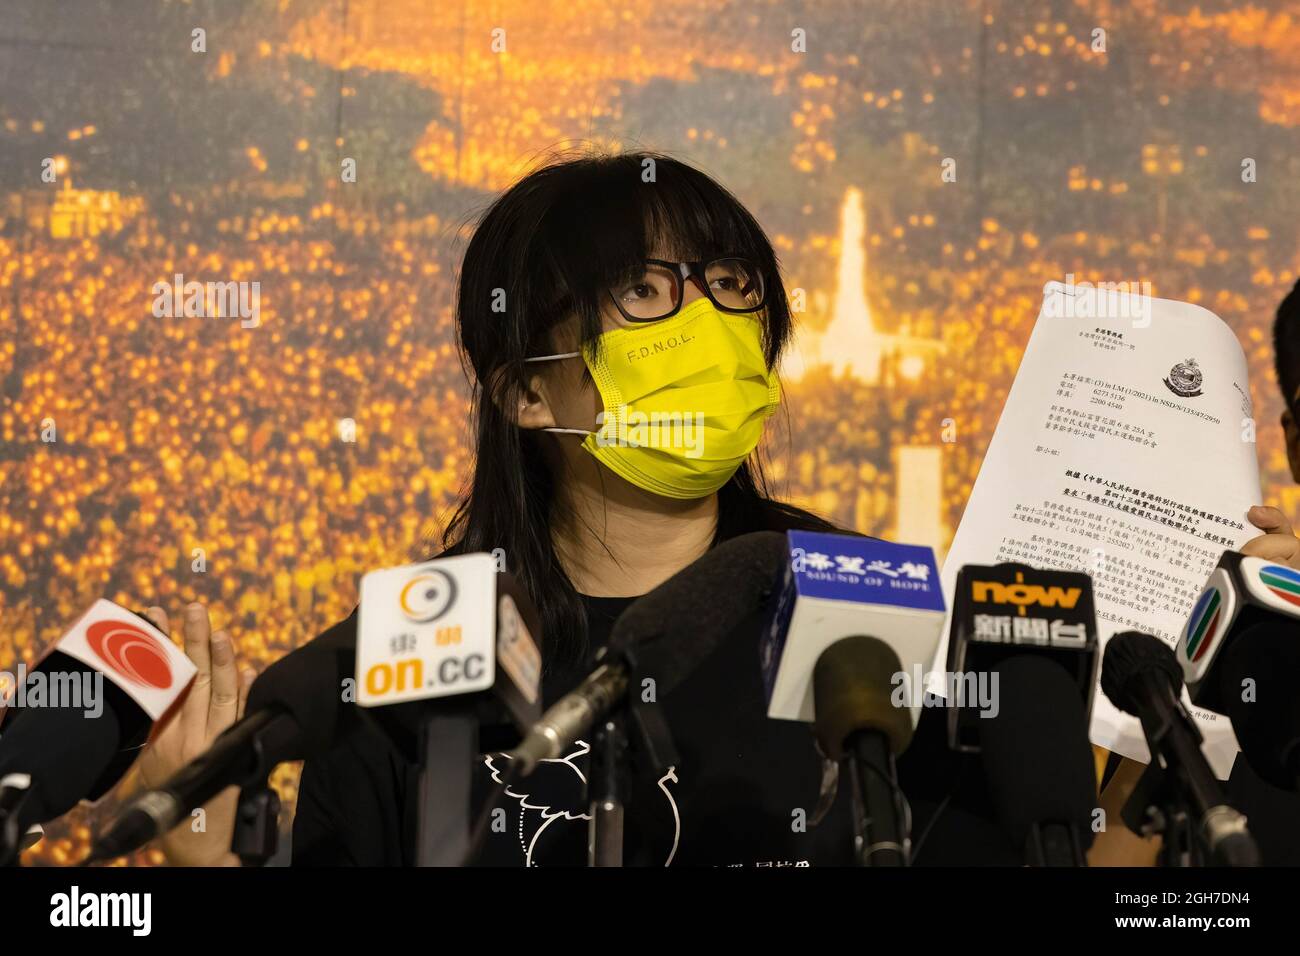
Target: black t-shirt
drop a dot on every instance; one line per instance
(745, 791)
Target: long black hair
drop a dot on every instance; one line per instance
(552, 245)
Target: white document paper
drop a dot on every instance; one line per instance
(1125, 450)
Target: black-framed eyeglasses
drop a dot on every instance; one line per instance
(732, 283)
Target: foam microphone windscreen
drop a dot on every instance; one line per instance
(1257, 671)
(308, 685)
(1037, 758)
(678, 624)
(1129, 655)
(71, 756)
(852, 687)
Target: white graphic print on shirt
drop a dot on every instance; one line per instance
(566, 784)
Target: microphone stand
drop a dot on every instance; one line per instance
(633, 729)
(257, 825)
(607, 788)
(1175, 742)
(1054, 844)
(448, 755)
(880, 837)
(15, 790)
(1157, 808)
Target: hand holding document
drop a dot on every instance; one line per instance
(1125, 450)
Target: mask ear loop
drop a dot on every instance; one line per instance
(551, 358)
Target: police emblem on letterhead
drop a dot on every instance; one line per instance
(1185, 379)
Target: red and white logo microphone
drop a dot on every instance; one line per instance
(134, 655)
(131, 652)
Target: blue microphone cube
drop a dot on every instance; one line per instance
(841, 585)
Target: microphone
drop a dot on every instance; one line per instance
(856, 722)
(1266, 717)
(1239, 652)
(293, 713)
(295, 708)
(446, 657)
(76, 722)
(1038, 762)
(1142, 677)
(862, 694)
(670, 631)
(453, 629)
(1012, 610)
(838, 586)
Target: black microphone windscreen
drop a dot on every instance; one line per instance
(1256, 672)
(308, 685)
(1129, 655)
(852, 690)
(70, 754)
(1037, 758)
(699, 606)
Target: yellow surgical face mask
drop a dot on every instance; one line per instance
(685, 399)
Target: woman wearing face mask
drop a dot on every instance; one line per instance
(592, 303)
(591, 300)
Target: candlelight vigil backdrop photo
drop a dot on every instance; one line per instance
(923, 167)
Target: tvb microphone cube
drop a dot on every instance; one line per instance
(837, 586)
(1003, 610)
(1241, 592)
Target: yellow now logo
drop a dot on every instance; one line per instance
(1024, 595)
